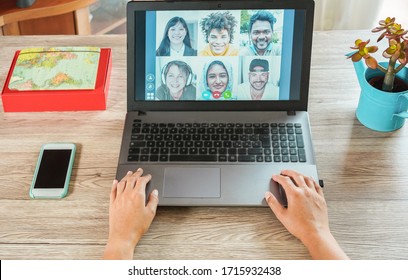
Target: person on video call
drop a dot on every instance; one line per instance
(218, 29)
(176, 82)
(258, 87)
(305, 217)
(260, 34)
(176, 39)
(217, 80)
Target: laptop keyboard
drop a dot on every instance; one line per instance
(216, 142)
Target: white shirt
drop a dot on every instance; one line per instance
(177, 53)
(244, 92)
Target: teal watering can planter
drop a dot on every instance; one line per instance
(380, 110)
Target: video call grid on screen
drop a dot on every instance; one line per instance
(200, 74)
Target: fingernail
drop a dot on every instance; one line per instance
(115, 182)
(155, 192)
(129, 172)
(139, 169)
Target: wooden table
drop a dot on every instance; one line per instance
(46, 17)
(365, 174)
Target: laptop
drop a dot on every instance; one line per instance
(217, 95)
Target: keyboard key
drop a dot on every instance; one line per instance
(198, 144)
(133, 158)
(232, 158)
(256, 144)
(203, 158)
(246, 158)
(164, 151)
(302, 155)
(134, 151)
(222, 151)
(164, 158)
(154, 158)
(137, 144)
(255, 151)
(222, 158)
(137, 137)
(160, 144)
(242, 151)
(299, 141)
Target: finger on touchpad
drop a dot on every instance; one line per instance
(192, 182)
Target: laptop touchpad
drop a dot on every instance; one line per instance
(192, 182)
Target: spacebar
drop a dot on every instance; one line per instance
(193, 158)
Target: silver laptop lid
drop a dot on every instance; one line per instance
(219, 55)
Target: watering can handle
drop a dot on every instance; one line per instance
(403, 114)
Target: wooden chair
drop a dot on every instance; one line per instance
(46, 17)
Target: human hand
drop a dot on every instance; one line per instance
(129, 215)
(307, 210)
(306, 216)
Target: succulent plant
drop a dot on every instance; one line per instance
(397, 51)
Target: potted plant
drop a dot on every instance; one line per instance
(383, 101)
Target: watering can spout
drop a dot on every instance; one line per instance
(360, 68)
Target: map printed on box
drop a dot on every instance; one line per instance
(60, 68)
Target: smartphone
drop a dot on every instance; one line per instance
(53, 170)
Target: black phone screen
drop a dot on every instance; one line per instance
(53, 169)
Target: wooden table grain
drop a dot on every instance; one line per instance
(365, 175)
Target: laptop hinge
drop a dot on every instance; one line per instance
(141, 113)
(291, 113)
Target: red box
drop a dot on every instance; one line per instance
(61, 100)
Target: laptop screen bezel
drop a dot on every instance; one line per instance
(136, 63)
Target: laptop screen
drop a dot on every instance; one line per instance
(231, 55)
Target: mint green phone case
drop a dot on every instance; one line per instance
(67, 178)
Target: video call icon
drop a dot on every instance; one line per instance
(150, 78)
(150, 95)
(150, 86)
